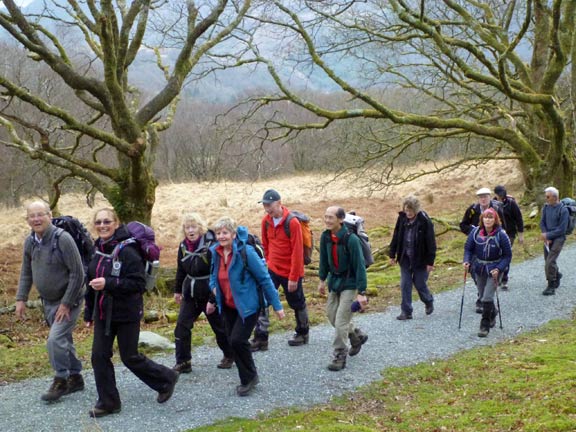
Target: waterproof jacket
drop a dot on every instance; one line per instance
(54, 267)
(554, 221)
(424, 243)
(351, 271)
(512, 220)
(283, 254)
(485, 253)
(193, 267)
(472, 214)
(245, 281)
(121, 299)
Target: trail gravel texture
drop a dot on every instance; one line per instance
(297, 376)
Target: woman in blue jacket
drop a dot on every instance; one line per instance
(488, 252)
(242, 286)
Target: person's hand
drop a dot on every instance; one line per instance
(429, 268)
(363, 301)
(21, 310)
(466, 265)
(322, 287)
(521, 238)
(392, 261)
(494, 274)
(292, 286)
(543, 236)
(97, 284)
(62, 313)
(178, 298)
(210, 308)
(87, 324)
(280, 314)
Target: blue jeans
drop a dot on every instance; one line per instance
(60, 344)
(417, 277)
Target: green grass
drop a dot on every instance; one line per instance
(526, 384)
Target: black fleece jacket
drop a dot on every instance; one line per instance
(425, 242)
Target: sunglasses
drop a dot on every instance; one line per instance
(103, 222)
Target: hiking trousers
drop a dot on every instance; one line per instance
(339, 312)
(551, 255)
(154, 375)
(417, 277)
(487, 285)
(60, 344)
(238, 331)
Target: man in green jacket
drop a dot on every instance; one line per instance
(342, 267)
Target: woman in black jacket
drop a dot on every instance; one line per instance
(414, 248)
(192, 293)
(114, 305)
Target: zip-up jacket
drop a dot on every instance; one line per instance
(512, 220)
(121, 299)
(424, 243)
(485, 253)
(472, 214)
(283, 254)
(193, 268)
(351, 271)
(554, 221)
(54, 266)
(244, 281)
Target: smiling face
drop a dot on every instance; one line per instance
(39, 217)
(484, 200)
(488, 221)
(225, 237)
(274, 209)
(331, 219)
(105, 223)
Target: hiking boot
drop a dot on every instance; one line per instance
(483, 332)
(101, 412)
(167, 394)
(550, 290)
(338, 361)
(359, 339)
(225, 363)
(58, 389)
(557, 281)
(404, 316)
(184, 367)
(246, 389)
(479, 307)
(257, 344)
(75, 383)
(504, 286)
(298, 339)
(429, 308)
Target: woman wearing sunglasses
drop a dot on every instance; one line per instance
(114, 305)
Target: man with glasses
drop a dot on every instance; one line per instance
(52, 263)
(553, 225)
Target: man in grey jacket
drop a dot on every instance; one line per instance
(52, 263)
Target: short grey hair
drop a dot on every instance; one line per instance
(194, 218)
(553, 191)
(225, 223)
(412, 203)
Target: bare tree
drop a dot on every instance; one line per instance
(479, 80)
(109, 116)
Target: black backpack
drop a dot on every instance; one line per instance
(80, 235)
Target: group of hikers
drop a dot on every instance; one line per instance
(222, 274)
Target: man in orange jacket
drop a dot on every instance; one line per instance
(285, 262)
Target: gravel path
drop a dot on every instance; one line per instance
(208, 394)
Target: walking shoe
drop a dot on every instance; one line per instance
(338, 361)
(58, 389)
(557, 281)
(298, 339)
(504, 286)
(101, 412)
(257, 344)
(167, 394)
(246, 389)
(225, 363)
(429, 308)
(549, 290)
(483, 332)
(404, 316)
(75, 383)
(184, 367)
(479, 307)
(355, 349)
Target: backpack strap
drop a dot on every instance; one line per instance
(56, 243)
(287, 224)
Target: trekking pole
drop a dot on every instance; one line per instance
(496, 282)
(462, 300)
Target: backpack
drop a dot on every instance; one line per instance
(570, 204)
(355, 225)
(254, 241)
(79, 233)
(307, 235)
(144, 238)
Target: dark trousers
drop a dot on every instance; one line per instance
(417, 277)
(297, 302)
(154, 375)
(190, 310)
(238, 332)
(505, 274)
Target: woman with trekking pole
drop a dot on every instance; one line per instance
(487, 254)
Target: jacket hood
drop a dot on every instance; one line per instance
(242, 233)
